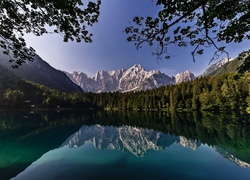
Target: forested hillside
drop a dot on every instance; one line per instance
(224, 92)
(40, 72)
(227, 92)
(231, 66)
(17, 93)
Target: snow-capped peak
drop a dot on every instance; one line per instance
(216, 66)
(183, 77)
(130, 79)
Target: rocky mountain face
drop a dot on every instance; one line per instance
(124, 138)
(231, 157)
(216, 66)
(137, 141)
(131, 79)
(41, 72)
(226, 66)
(134, 78)
(192, 144)
(183, 77)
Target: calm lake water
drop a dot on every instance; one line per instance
(98, 145)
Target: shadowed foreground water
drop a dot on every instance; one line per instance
(83, 145)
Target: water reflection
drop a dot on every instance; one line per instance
(99, 146)
(231, 157)
(135, 140)
(25, 137)
(125, 138)
(37, 143)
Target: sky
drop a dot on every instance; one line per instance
(111, 51)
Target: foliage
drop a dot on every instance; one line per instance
(200, 24)
(229, 92)
(215, 93)
(15, 97)
(17, 93)
(245, 67)
(225, 130)
(239, 64)
(70, 18)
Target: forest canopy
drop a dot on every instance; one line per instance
(198, 23)
(69, 18)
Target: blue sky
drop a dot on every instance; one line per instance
(110, 49)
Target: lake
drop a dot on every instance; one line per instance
(129, 145)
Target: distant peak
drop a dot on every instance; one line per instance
(138, 66)
(227, 59)
(187, 71)
(78, 73)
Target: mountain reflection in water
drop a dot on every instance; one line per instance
(134, 140)
(137, 141)
(125, 138)
(137, 145)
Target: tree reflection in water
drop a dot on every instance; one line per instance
(25, 137)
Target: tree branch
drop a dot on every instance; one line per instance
(203, 2)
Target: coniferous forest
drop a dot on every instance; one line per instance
(227, 92)
(215, 93)
(226, 89)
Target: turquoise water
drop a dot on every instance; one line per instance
(70, 145)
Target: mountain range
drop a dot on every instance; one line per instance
(125, 138)
(77, 153)
(214, 67)
(137, 78)
(134, 78)
(137, 141)
(40, 72)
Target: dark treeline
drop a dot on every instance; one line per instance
(30, 95)
(227, 92)
(227, 130)
(18, 93)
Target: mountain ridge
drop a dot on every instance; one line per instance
(134, 78)
(226, 65)
(137, 141)
(40, 72)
